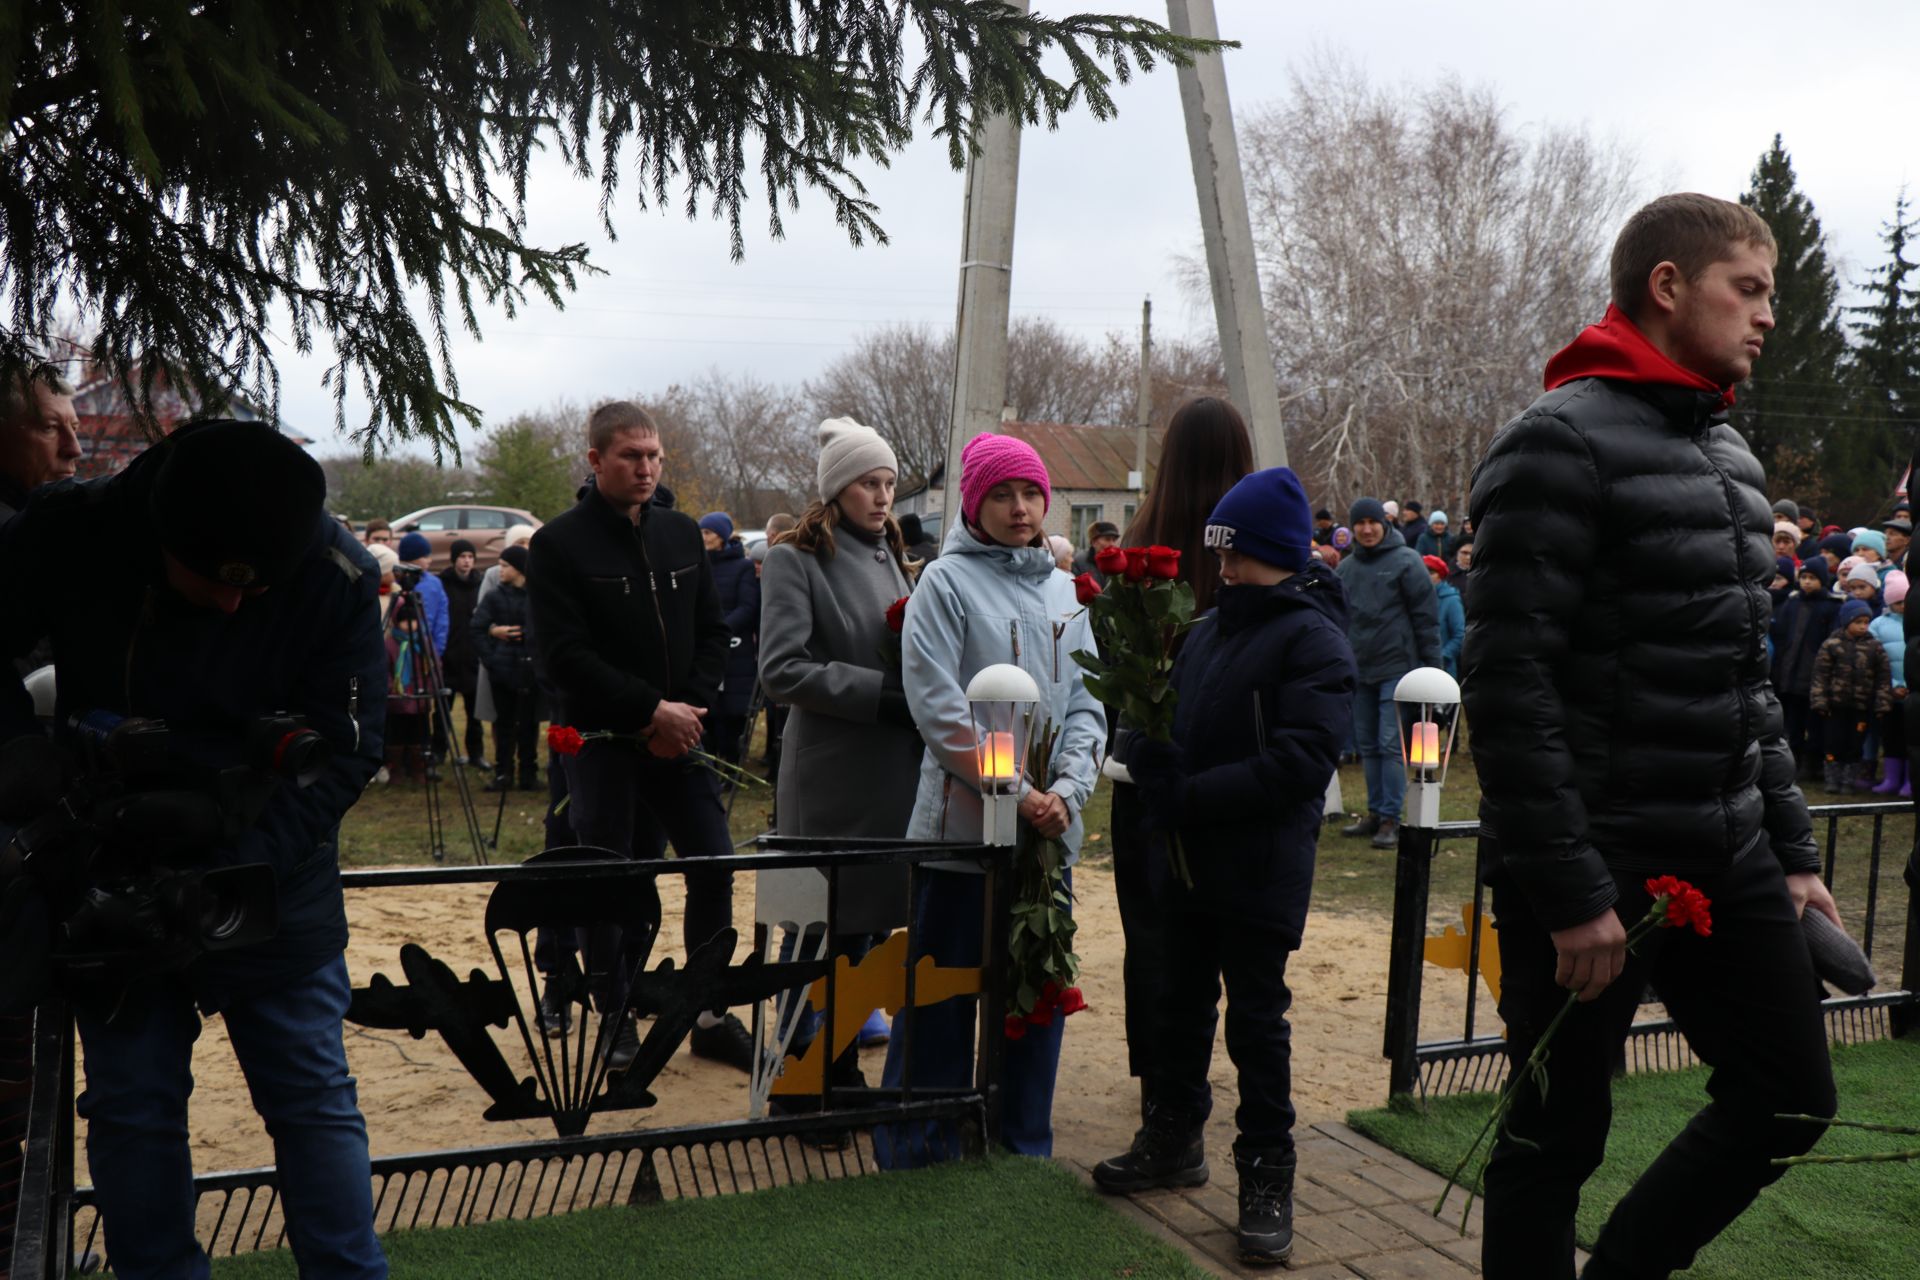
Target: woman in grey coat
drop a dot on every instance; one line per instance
(849, 755)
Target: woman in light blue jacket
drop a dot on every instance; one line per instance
(993, 596)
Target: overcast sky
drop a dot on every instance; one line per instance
(1696, 90)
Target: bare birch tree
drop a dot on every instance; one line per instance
(1421, 257)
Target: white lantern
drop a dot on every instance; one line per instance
(1428, 700)
(1000, 700)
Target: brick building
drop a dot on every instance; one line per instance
(111, 437)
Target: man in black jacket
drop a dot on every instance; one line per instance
(627, 627)
(1623, 728)
(217, 591)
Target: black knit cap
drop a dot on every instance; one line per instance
(237, 502)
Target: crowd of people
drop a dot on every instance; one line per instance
(1636, 711)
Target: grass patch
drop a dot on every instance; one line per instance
(1004, 1216)
(1819, 1221)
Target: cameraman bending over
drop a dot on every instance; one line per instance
(216, 591)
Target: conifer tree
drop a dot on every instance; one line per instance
(1793, 404)
(192, 174)
(1884, 372)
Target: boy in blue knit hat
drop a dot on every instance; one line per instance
(1265, 698)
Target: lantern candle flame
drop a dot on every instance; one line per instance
(1423, 745)
(999, 762)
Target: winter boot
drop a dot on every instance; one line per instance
(1860, 776)
(1895, 779)
(1167, 1151)
(1388, 836)
(1832, 784)
(1266, 1206)
(1362, 828)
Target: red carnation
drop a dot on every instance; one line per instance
(1085, 589)
(897, 615)
(1110, 560)
(1163, 563)
(564, 740)
(1136, 563)
(1071, 1001)
(1686, 905)
(1016, 1026)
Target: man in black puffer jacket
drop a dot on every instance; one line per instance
(1623, 728)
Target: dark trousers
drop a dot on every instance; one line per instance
(1143, 881)
(723, 734)
(1803, 731)
(475, 733)
(515, 727)
(1893, 733)
(949, 911)
(630, 801)
(1846, 729)
(1748, 1002)
(1202, 949)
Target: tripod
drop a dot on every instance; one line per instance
(440, 703)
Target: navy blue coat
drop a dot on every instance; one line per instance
(1801, 625)
(738, 587)
(125, 643)
(1265, 706)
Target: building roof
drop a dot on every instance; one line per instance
(1078, 455)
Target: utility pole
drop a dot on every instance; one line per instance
(986, 287)
(1143, 402)
(1227, 231)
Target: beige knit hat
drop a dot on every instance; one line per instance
(847, 452)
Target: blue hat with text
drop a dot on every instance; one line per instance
(1265, 516)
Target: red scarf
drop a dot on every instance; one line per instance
(1615, 348)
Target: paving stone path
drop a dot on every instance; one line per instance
(1360, 1210)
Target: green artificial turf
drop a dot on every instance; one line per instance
(1005, 1216)
(1820, 1222)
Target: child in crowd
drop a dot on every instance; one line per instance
(1265, 703)
(1871, 546)
(1453, 614)
(1850, 688)
(1862, 582)
(1800, 625)
(1890, 630)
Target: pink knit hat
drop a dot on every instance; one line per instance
(988, 460)
(1894, 586)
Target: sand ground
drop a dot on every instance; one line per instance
(417, 1097)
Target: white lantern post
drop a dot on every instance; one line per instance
(1000, 700)
(1427, 699)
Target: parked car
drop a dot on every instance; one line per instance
(485, 527)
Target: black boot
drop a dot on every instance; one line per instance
(1167, 1151)
(1266, 1205)
(1364, 827)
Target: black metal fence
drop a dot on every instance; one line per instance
(1473, 1058)
(60, 1227)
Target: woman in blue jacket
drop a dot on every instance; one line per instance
(993, 596)
(1265, 687)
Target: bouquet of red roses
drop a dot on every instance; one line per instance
(1136, 620)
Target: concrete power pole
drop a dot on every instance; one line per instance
(1143, 402)
(1227, 231)
(986, 287)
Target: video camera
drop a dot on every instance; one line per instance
(106, 885)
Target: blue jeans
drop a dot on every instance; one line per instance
(1376, 727)
(287, 1040)
(948, 914)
